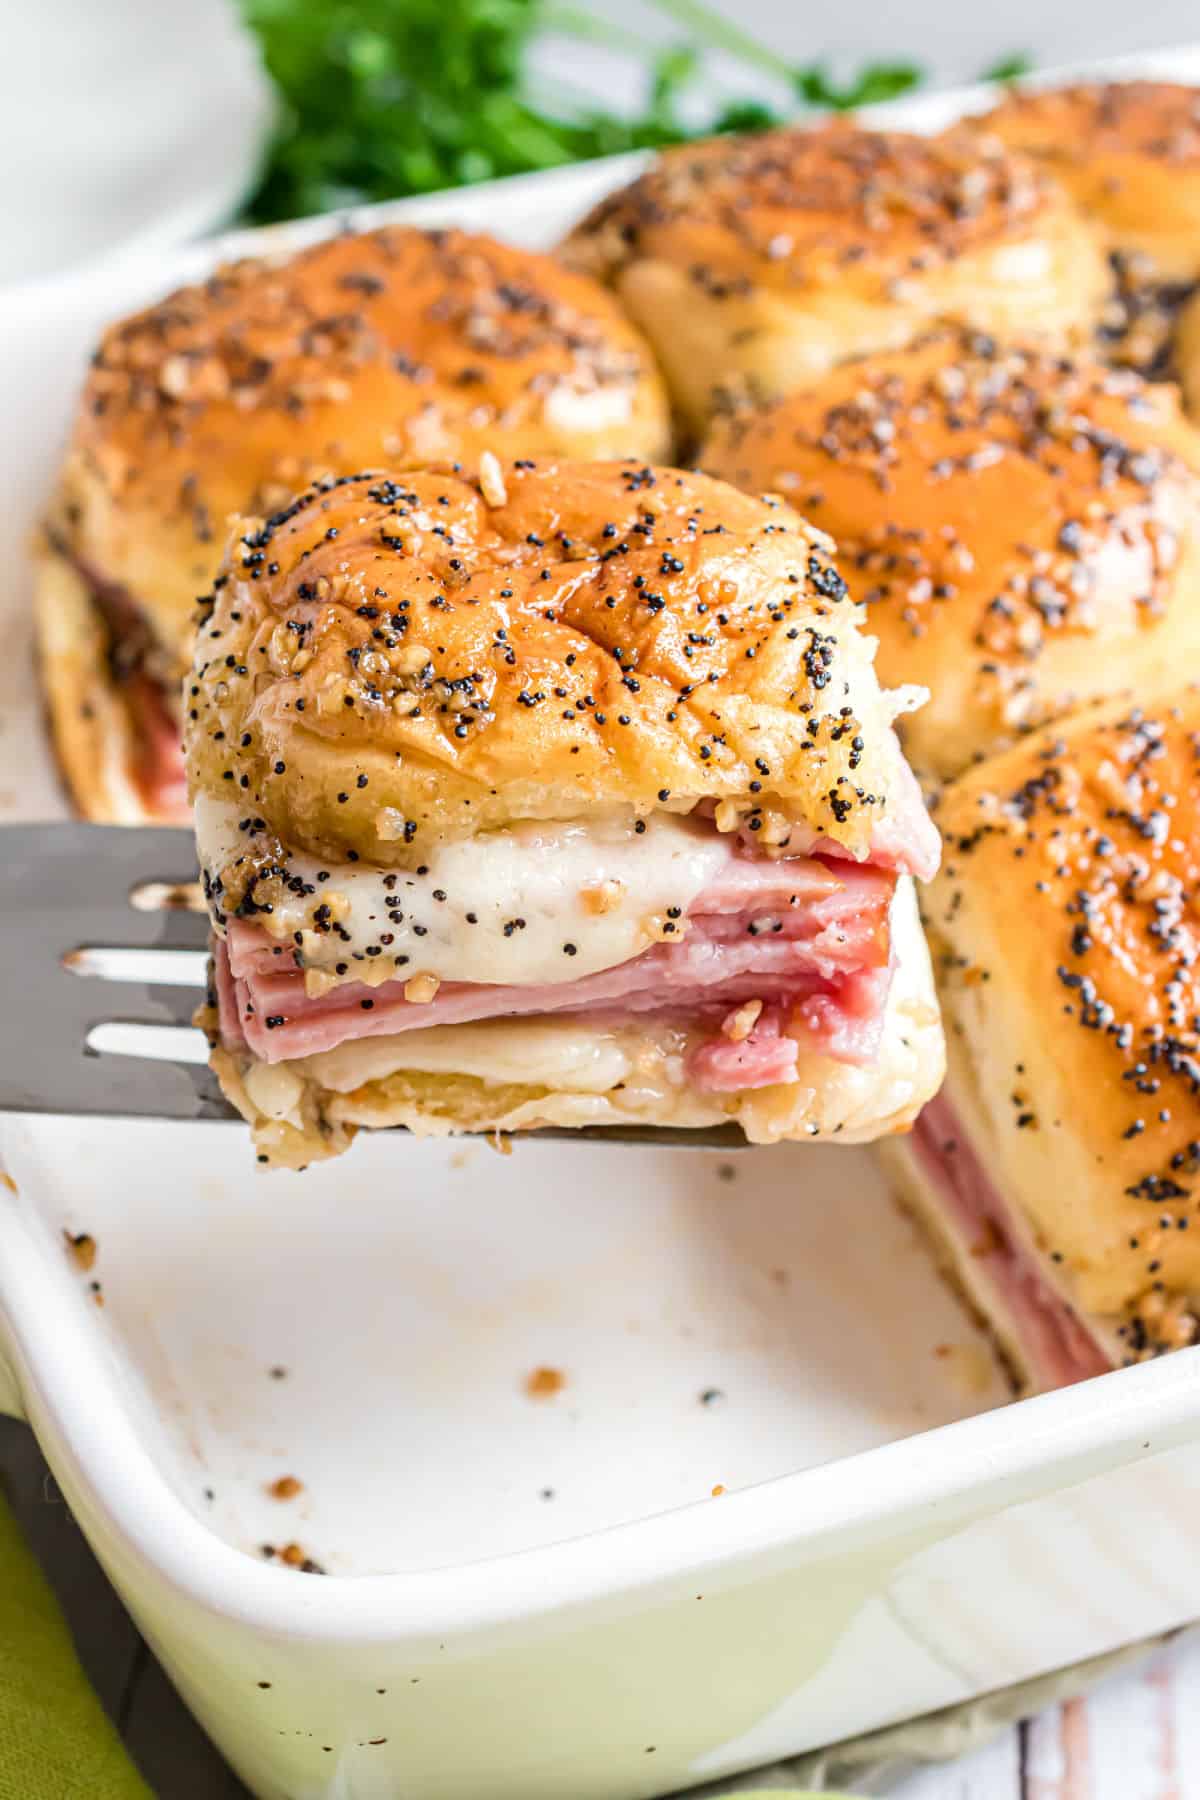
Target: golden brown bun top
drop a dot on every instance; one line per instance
(397, 659)
(400, 347)
(1155, 119)
(1071, 883)
(802, 207)
(1009, 517)
(1129, 151)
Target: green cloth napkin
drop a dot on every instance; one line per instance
(55, 1741)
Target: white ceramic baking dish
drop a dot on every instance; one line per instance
(756, 1515)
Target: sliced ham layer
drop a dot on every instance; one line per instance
(904, 838)
(765, 1057)
(160, 772)
(159, 766)
(809, 940)
(1059, 1348)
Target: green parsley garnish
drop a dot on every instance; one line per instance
(1009, 68)
(384, 98)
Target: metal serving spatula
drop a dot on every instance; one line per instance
(103, 948)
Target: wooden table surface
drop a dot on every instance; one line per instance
(1136, 1737)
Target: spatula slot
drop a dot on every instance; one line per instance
(156, 1043)
(162, 968)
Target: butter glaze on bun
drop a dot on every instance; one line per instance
(754, 265)
(399, 346)
(1024, 528)
(1128, 151)
(398, 660)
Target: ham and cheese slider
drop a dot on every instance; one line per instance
(565, 795)
(400, 346)
(1129, 154)
(1059, 1169)
(754, 265)
(1024, 528)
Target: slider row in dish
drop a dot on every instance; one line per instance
(744, 270)
(537, 783)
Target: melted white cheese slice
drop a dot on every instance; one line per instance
(565, 1055)
(533, 904)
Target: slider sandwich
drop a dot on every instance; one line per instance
(755, 265)
(397, 346)
(1023, 527)
(1059, 1168)
(1129, 154)
(564, 795)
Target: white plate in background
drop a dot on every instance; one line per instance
(124, 124)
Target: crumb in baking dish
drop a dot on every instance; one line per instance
(544, 1383)
(81, 1246)
(285, 1487)
(294, 1557)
